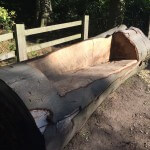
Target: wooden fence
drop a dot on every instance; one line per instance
(19, 35)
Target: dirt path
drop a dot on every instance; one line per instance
(122, 122)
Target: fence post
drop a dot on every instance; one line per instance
(20, 39)
(85, 24)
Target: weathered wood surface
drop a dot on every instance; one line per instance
(9, 55)
(85, 27)
(52, 43)
(52, 28)
(20, 39)
(70, 126)
(140, 41)
(5, 37)
(18, 130)
(34, 81)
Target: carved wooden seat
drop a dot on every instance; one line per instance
(72, 82)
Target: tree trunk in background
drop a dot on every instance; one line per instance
(46, 10)
(43, 12)
(116, 12)
(38, 10)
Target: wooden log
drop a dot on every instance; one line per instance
(90, 80)
(72, 125)
(18, 130)
(138, 40)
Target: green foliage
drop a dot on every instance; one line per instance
(137, 13)
(104, 14)
(6, 19)
(34, 54)
(12, 46)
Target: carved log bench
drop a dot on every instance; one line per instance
(62, 89)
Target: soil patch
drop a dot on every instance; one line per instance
(122, 122)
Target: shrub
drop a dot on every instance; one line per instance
(6, 19)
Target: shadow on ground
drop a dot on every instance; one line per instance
(122, 122)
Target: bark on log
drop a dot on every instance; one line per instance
(18, 130)
(72, 82)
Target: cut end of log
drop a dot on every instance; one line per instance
(122, 48)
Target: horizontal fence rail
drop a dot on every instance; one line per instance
(52, 43)
(5, 37)
(20, 34)
(9, 55)
(52, 28)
